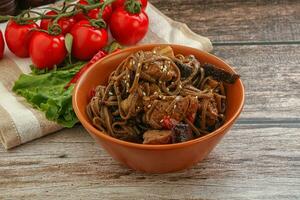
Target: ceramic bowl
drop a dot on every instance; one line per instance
(155, 158)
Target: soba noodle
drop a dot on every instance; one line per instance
(152, 94)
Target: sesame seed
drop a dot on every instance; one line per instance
(163, 97)
(149, 106)
(137, 74)
(155, 93)
(144, 93)
(161, 121)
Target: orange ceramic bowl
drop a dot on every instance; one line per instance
(155, 158)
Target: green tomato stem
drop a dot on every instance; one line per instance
(105, 3)
(21, 19)
(133, 6)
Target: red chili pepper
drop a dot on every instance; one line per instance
(76, 77)
(191, 117)
(92, 93)
(116, 50)
(168, 123)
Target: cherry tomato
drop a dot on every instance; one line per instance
(128, 28)
(18, 36)
(87, 40)
(66, 23)
(2, 45)
(94, 13)
(47, 50)
(120, 3)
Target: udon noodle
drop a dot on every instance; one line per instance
(156, 97)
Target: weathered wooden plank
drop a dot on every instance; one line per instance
(260, 164)
(258, 159)
(228, 21)
(271, 75)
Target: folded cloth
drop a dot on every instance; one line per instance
(20, 123)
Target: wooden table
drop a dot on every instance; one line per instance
(258, 159)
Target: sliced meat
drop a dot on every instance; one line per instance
(157, 137)
(180, 108)
(220, 74)
(176, 108)
(160, 71)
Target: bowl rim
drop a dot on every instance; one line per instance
(93, 130)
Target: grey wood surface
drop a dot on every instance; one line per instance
(240, 21)
(258, 159)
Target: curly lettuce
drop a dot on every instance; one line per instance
(46, 92)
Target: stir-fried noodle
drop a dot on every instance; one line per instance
(154, 97)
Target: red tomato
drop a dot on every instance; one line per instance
(18, 36)
(87, 40)
(2, 45)
(47, 50)
(93, 14)
(120, 3)
(66, 23)
(128, 28)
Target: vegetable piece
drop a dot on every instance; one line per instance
(181, 133)
(87, 40)
(220, 74)
(65, 23)
(46, 92)
(120, 3)
(98, 56)
(47, 50)
(113, 47)
(69, 44)
(2, 45)
(185, 70)
(18, 36)
(129, 24)
(94, 13)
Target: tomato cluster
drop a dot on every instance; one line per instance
(45, 43)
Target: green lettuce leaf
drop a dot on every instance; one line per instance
(46, 92)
